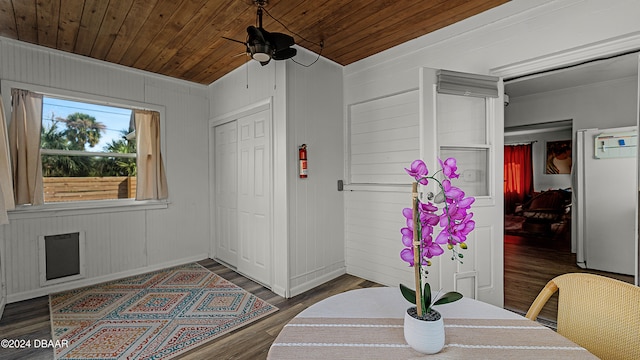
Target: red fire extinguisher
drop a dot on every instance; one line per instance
(302, 158)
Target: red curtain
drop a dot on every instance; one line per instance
(518, 175)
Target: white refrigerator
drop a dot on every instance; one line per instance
(604, 199)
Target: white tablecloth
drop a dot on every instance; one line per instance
(387, 302)
(368, 324)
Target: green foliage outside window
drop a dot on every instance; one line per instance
(75, 132)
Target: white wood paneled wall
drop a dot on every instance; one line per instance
(109, 248)
(245, 88)
(372, 231)
(383, 137)
(309, 239)
(308, 213)
(601, 105)
(515, 32)
(315, 113)
(124, 242)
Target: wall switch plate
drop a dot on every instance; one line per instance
(340, 185)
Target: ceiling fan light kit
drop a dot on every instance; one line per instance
(261, 53)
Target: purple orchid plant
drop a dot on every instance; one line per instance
(455, 223)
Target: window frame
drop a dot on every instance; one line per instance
(88, 206)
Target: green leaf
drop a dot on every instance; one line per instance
(408, 294)
(426, 298)
(448, 298)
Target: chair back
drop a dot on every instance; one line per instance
(598, 313)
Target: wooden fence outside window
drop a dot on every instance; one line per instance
(65, 189)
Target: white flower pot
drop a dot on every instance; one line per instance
(424, 336)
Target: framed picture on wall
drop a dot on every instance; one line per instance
(558, 157)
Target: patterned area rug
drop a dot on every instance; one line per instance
(152, 316)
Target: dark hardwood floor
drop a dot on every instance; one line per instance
(30, 320)
(531, 261)
(529, 264)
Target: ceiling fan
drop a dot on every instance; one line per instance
(263, 46)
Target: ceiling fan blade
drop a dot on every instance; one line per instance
(284, 54)
(256, 34)
(281, 41)
(234, 40)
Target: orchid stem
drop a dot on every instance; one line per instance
(416, 248)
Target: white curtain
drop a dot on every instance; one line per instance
(6, 183)
(151, 179)
(24, 145)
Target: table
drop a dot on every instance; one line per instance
(368, 324)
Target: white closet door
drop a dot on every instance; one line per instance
(254, 196)
(226, 193)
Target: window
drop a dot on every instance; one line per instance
(463, 110)
(42, 134)
(88, 151)
(468, 144)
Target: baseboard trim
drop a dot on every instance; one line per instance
(2, 304)
(280, 291)
(46, 290)
(297, 290)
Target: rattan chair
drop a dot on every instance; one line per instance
(598, 313)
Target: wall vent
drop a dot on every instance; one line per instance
(61, 257)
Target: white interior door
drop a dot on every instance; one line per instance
(469, 128)
(254, 196)
(226, 193)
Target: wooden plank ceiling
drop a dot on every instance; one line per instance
(183, 38)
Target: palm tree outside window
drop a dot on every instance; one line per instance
(87, 152)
